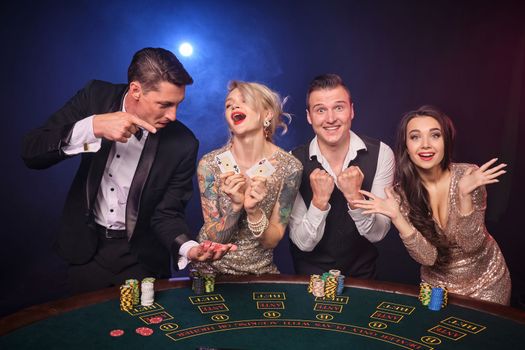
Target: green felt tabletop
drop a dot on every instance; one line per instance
(271, 316)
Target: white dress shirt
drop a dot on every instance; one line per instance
(110, 206)
(307, 224)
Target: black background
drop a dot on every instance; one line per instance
(467, 57)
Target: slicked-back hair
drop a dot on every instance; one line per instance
(326, 82)
(151, 66)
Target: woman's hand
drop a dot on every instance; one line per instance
(256, 191)
(388, 206)
(484, 175)
(234, 186)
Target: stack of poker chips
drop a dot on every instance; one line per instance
(134, 284)
(340, 284)
(340, 280)
(209, 283)
(318, 287)
(436, 300)
(445, 297)
(328, 285)
(126, 297)
(198, 285)
(202, 282)
(425, 292)
(148, 292)
(433, 297)
(311, 284)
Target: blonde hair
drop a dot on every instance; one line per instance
(261, 98)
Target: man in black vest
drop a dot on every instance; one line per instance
(124, 213)
(326, 231)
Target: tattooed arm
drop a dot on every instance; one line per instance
(220, 223)
(282, 209)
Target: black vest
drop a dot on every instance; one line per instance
(342, 247)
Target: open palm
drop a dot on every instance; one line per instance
(376, 205)
(484, 175)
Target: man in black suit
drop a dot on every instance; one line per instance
(124, 214)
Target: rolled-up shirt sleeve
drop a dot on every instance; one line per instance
(307, 224)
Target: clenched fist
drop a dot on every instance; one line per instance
(349, 182)
(322, 185)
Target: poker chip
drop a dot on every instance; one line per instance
(325, 275)
(445, 297)
(209, 283)
(436, 300)
(156, 319)
(311, 284)
(135, 290)
(425, 293)
(148, 291)
(318, 288)
(198, 284)
(330, 287)
(340, 284)
(126, 297)
(116, 332)
(144, 331)
(334, 273)
(327, 285)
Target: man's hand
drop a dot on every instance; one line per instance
(208, 251)
(322, 185)
(119, 126)
(349, 182)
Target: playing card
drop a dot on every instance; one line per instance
(227, 163)
(262, 168)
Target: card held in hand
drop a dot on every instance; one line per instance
(263, 168)
(227, 163)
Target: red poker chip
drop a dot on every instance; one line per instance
(156, 319)
(144, 331)
(116, 332)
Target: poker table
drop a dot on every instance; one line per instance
(266, 312)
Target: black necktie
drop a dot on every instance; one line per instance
(138, 134)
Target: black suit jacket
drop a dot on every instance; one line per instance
(160, 189)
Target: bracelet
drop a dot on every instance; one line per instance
(257, 228)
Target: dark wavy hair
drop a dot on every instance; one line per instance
(408, 182)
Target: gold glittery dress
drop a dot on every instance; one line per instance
(250, 257)
(463, 257)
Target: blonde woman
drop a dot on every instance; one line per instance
(239, 207)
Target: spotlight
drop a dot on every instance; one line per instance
(186, 49)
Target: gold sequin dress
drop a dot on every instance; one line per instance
(464, 257)
(251, 257)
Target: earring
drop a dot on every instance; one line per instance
(266, 128)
